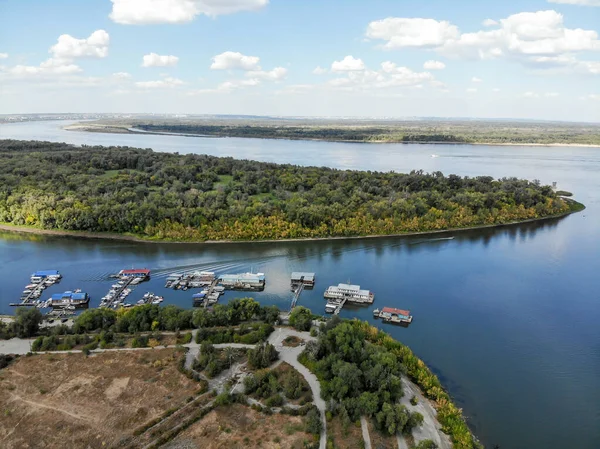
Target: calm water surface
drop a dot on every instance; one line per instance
(508, 318)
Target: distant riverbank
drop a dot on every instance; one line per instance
(240, 132)
(575, 207)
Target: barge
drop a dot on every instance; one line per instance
(394, 316)
(350, 293)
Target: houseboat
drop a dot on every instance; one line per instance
(351, 293)
(302, 278)
(392, 315)
(41, 276)
(243, 281)
(69, 298)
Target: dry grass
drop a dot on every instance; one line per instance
(62, 400)
(238, 426)
(292, 341)
(379, 440)
(351, 440)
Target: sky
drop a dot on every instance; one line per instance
(525, 59)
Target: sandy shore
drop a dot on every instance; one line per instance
(130, 238)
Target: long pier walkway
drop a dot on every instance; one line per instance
(28, 300)
(115, 298)
(340, 306)
(297, 293)
(210, 291)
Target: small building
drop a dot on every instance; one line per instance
(68, 298)
(390, 314)
(39, 276)
(135, 273)
(243, 281)
(299, 277)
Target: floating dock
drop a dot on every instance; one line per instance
(243, 281)
(307, 280)
(69, 300)
(351, 293)
(197, 279)
(40, 280)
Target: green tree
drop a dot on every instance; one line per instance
(27, 322)
(301, 318)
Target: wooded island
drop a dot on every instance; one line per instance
(176, 197)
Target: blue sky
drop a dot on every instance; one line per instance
(376, 58)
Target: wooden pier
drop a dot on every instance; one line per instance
(297, 293)
(117, 293)
(35, 293)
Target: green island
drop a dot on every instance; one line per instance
(170, 197)
(360, 372)
(492, 132)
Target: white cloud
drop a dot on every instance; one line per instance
(476, 80)
(495, 89)
(472, 90)
(68, 47)
(319, 70)
(389, 76)
(531, 38)
(154, 60)
(3, 55)
(277, 74)
(593, 97)
(577, 2)
(411, 32)
(167, 82)
(348, 64)
(551, 94)
(140, 12)
(121, 76)
(231, 60)
(523, 36)
(64, 52)
(434, 65)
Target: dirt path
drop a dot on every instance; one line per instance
(365, 432)
(49, 407)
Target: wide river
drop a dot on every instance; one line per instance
(509, 318)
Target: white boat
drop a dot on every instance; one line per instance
(26, 292)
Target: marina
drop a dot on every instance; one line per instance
(40, 280)
(196, 279)
(120, 290)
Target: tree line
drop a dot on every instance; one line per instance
(197, 197)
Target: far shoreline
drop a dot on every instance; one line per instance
(106, 129)
(130, 238)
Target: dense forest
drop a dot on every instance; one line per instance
(197, 197)
(360, 370)
(469, 132)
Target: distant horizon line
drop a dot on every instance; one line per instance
(303, 117)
